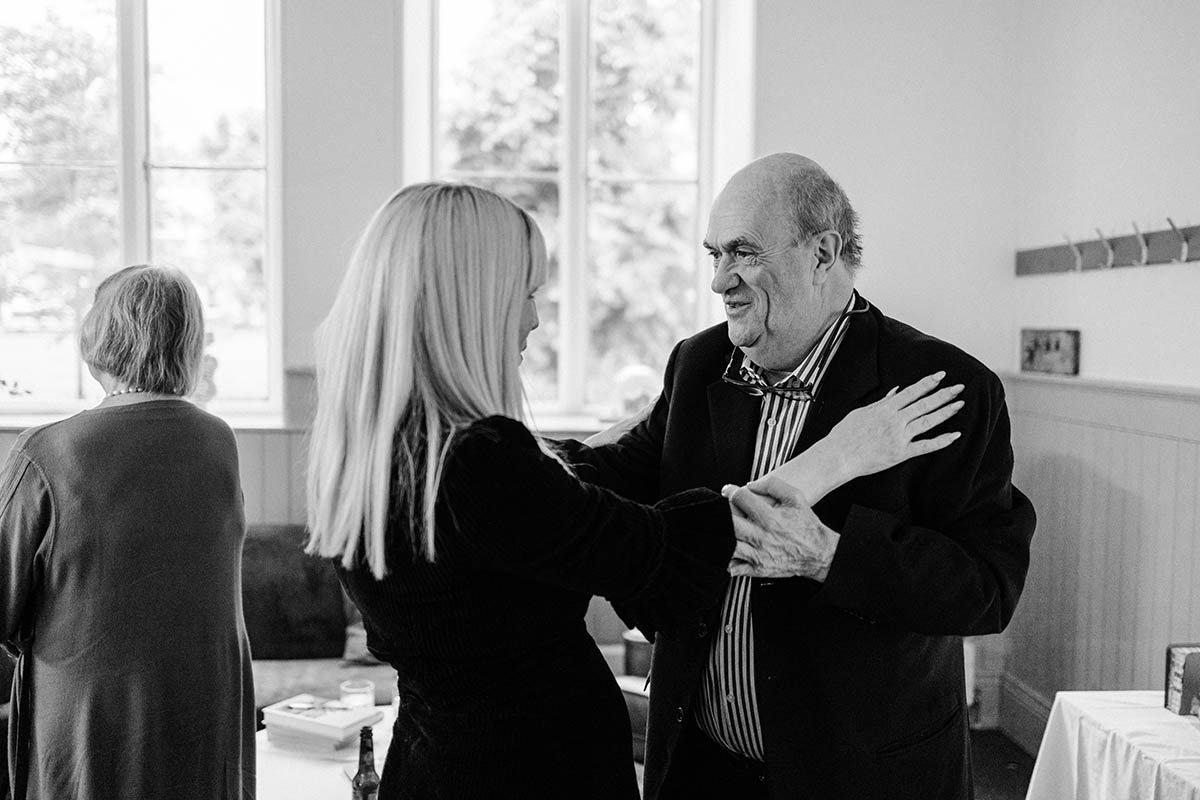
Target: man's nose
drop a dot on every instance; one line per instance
(724, 277)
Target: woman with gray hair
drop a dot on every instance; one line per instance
(121, 534)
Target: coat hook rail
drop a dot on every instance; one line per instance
(1183, 243)
(1075, 251)
(1144, 252)
(1110, 255)
(1171, 244)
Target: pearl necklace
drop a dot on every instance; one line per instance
(129, 390)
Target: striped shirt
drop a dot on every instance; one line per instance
(728, 706)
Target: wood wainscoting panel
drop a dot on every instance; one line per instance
(272, 470)
(1114, 473)
(272, 465)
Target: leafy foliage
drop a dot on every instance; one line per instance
(501, 113)
(60, 202)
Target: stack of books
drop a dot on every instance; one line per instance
(317, 725)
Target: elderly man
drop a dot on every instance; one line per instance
(842, 675)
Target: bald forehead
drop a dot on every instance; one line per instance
(746, 213)
(773, 175)
(759, 195)
(755, 199)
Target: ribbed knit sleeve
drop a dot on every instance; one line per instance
(513, 508)
(26, 517)
(693, 572)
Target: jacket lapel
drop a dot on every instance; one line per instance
(852, 375)
(733, 415)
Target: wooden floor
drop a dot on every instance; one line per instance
(1002, 769)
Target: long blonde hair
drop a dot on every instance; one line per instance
(421, 341)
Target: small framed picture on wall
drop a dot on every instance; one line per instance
(1053, 351)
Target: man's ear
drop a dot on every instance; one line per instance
(828, 250)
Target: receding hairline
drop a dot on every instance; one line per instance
(800, 192)
(781, 171)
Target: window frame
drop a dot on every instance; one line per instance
(134, 170)
(726, 36)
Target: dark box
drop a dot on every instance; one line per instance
(1183, 679)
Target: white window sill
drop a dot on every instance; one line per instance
(568, 426)
(15, 423)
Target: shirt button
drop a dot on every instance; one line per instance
(702, 630)
(729, 629)
(729, 698)
(679, 714)
(770, 422)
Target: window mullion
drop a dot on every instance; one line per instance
(419, 20)
(135, 129)
(706, 313)
(572, 256)
(273, 238)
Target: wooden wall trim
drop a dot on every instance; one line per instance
(1024, 713)
(1148, 410)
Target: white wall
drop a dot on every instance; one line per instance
(910, 107)
(341, 146)
(1109, 134)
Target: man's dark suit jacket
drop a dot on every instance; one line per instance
(859, 679)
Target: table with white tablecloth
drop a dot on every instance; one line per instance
(1116, 746)
(287, 775)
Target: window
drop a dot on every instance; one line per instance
(596, 117)
(135, 131)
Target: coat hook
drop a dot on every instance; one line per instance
(1183, 243)
(1078, 253)
(1110, 255)
(1144, 258)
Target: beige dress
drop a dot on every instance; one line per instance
(120, 588)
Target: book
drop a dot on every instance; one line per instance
(313, 745)
(319, 717)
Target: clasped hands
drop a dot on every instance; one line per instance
(778, 535)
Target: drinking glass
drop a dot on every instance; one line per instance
(358, 692)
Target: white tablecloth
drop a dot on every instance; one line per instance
(1116, 746)
(286, 775)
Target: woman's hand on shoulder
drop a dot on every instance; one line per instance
(872, 438)
(883, 434)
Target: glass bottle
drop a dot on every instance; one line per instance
(365, 785)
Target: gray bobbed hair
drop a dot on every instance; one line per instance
(146, 329)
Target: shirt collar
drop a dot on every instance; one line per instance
(818, 356)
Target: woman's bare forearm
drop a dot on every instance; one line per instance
(814, 473)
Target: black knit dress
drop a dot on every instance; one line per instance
(503, 693)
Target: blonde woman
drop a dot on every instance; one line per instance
(120, 571)
(467, 542)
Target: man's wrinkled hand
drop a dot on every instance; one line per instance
(778, 535)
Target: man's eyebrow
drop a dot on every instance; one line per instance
(729, 246)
